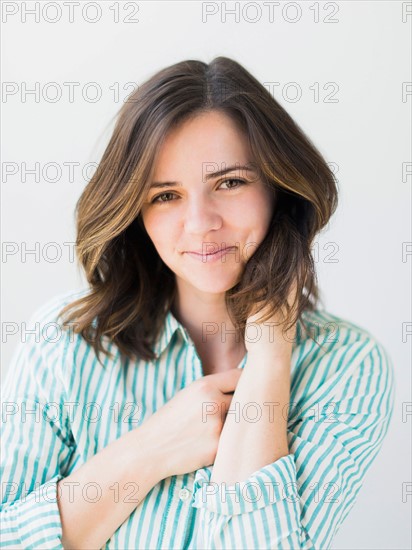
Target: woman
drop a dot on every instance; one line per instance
(229, 411)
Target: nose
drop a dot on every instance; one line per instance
(201, 216)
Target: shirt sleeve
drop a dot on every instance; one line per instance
(302, 499)
(36, 443)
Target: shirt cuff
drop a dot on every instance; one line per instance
(34, 521)
(270, 484)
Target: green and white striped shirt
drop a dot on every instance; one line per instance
(60, 407)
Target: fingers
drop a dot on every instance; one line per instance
(226, 399)
(226, 381)
(222, 405)
(225, 405)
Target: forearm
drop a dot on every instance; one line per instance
(124, 471)
(257, 435)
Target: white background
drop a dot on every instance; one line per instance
(365, 134)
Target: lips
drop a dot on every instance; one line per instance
(209, 253)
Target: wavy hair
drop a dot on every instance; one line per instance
(131, 288)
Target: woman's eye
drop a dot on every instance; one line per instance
(163, 195)
(155, 199)
(240, 182)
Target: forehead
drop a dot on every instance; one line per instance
(208, 138)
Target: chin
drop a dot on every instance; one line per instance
(213, 286)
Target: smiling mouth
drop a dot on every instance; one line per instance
(213, 257)
(210, 253)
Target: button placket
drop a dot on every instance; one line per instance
(184, 494)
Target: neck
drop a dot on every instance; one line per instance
(207, 321)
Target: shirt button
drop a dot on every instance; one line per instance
(184, 494)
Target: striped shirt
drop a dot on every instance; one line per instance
(60, 407)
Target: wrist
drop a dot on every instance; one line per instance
(263, 350)
(269, 358)
(269, 333)
(146, 456)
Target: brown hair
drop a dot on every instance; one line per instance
(131, 288)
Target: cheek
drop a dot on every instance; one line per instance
(160, 231)
(257, 212)
(266, 207)
(151, 228)
(159, 239)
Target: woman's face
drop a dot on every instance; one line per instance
(195, 211)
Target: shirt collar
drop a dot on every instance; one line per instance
(170, 326)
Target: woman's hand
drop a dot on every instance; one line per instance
(187, 428)
(270, 334)
(265, 379)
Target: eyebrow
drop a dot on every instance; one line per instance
(212, 175)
